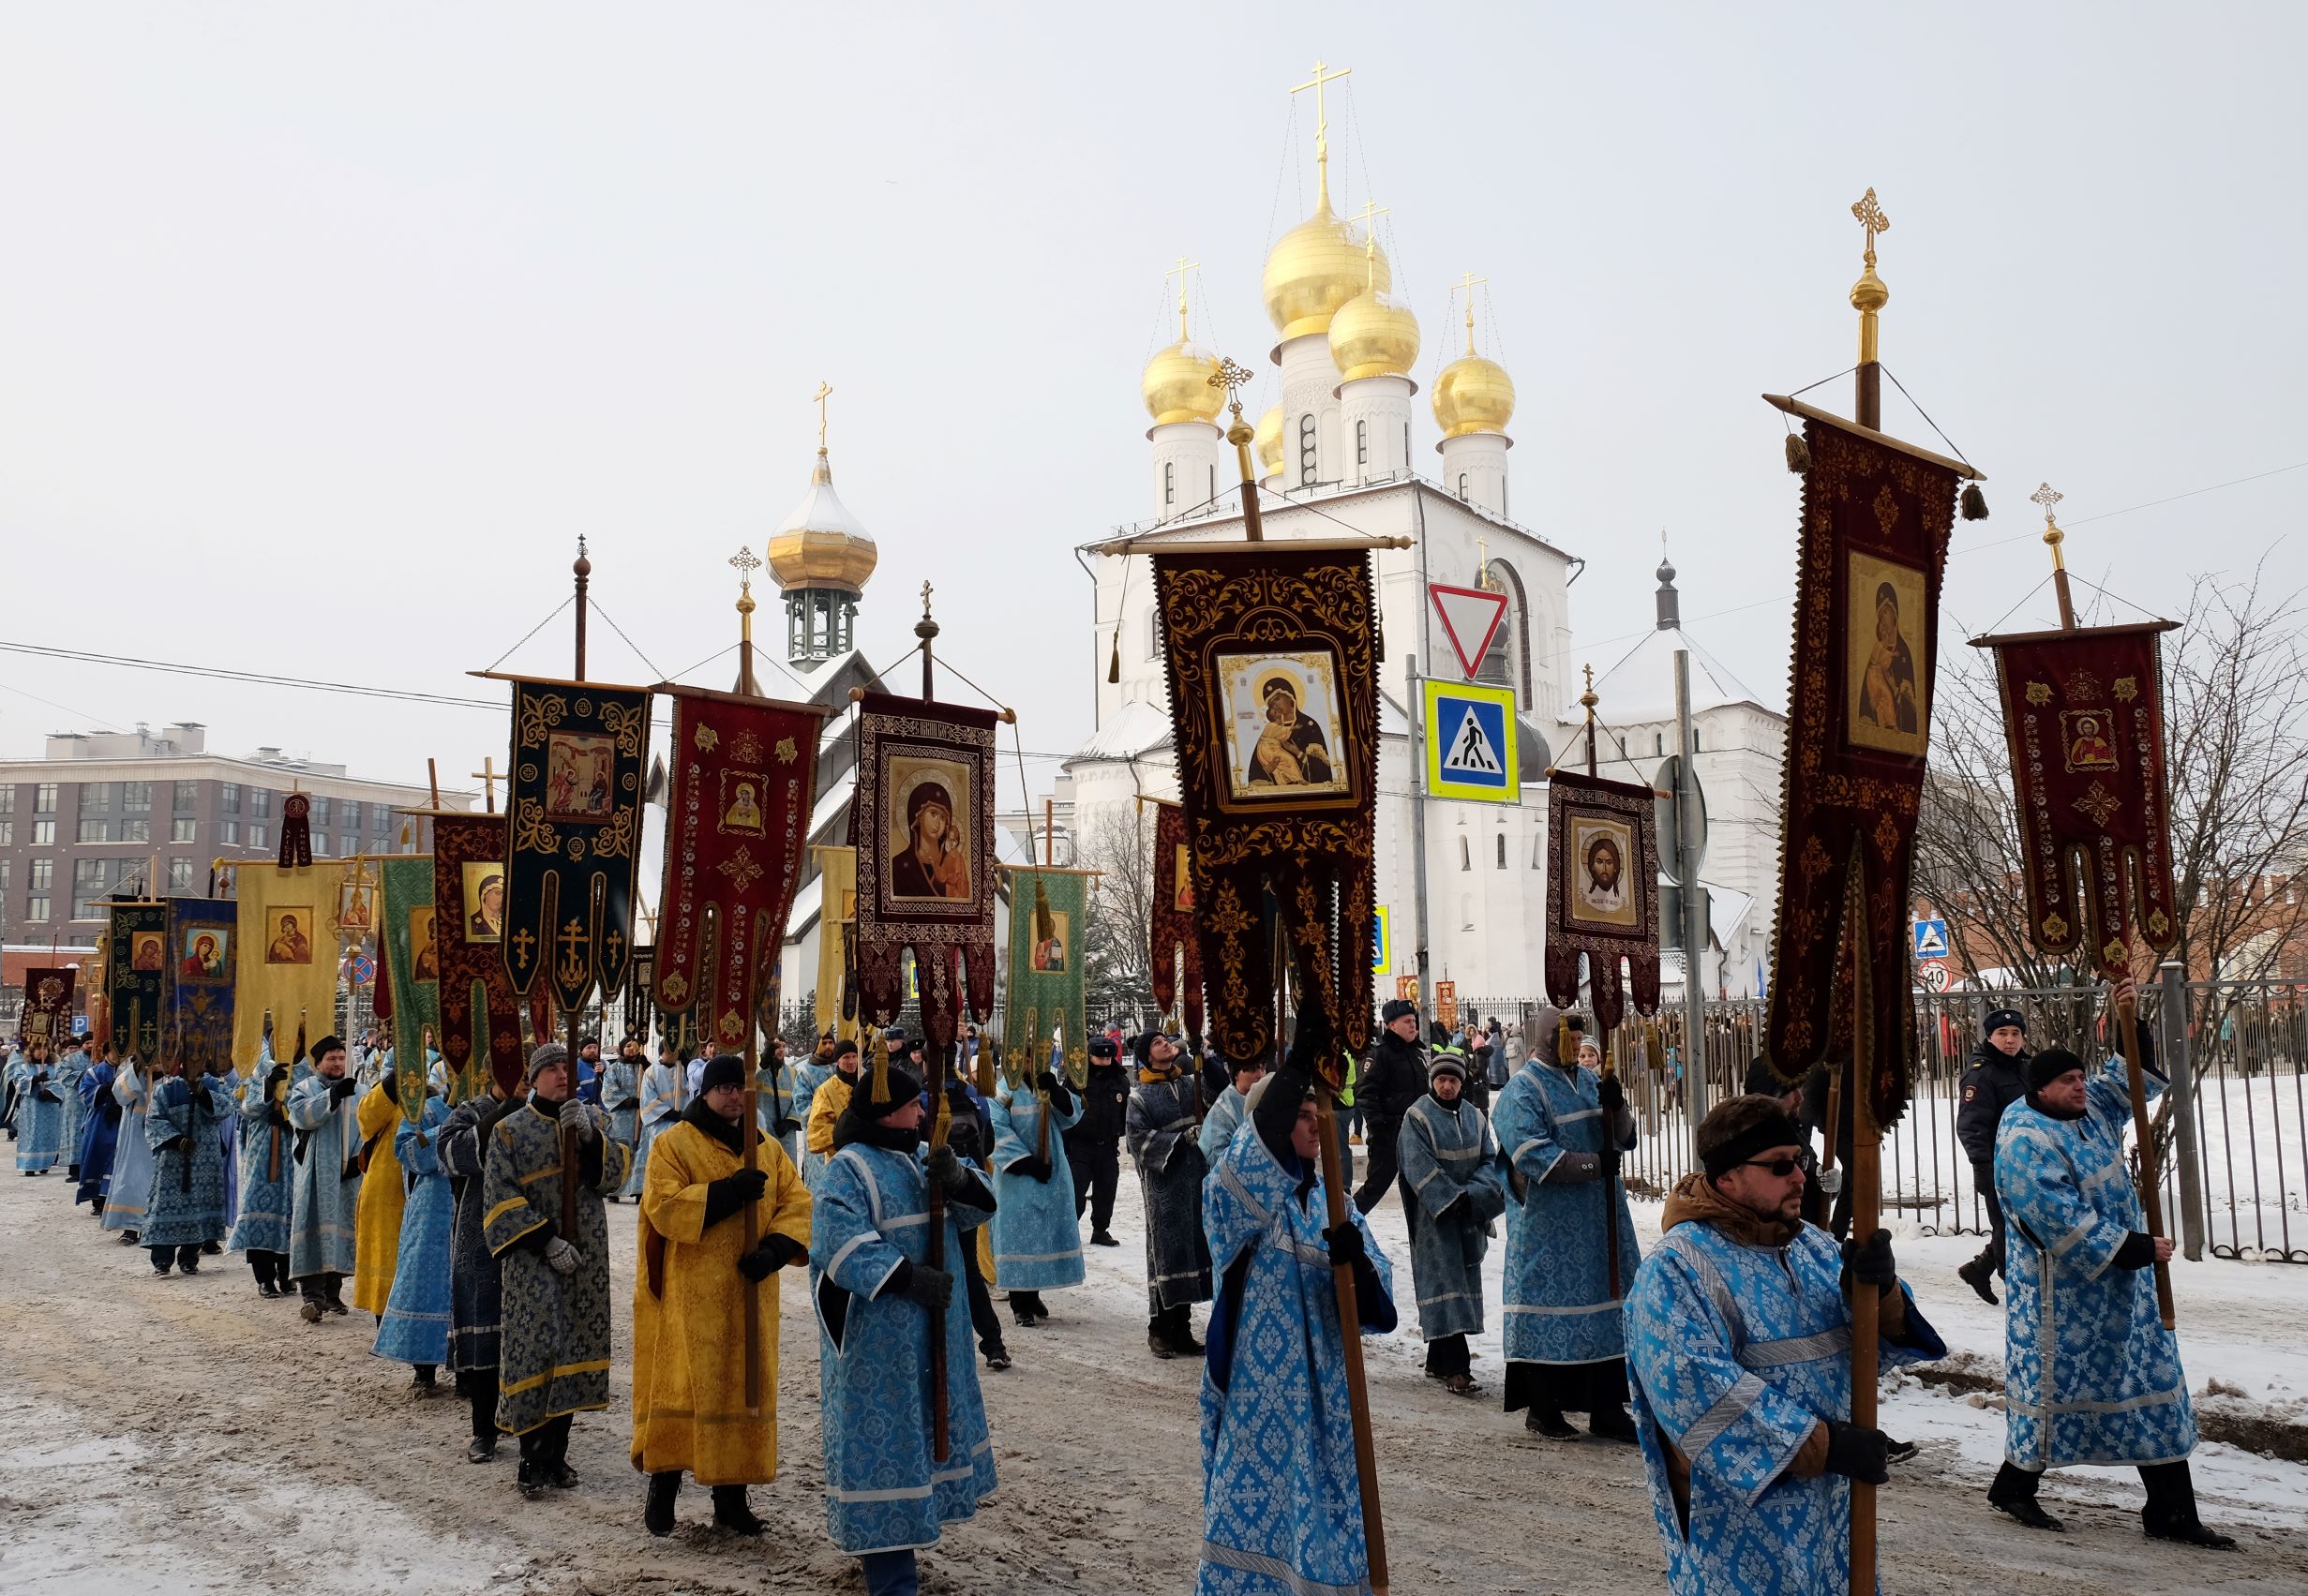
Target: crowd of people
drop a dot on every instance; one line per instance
(476, 1236)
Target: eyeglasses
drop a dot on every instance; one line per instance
(1778, 1168)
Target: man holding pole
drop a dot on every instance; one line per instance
(1163, 1112)
(690, 1410)
(1739, 1337)
(2092, 1375)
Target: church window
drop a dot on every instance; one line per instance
(1306, 451)
(1406, 445)
(1169, 484)
(1362, 443)
(1462, 486)
(1466, 854)
(1153, 633)
(1694, 739)
(1658, 744)
(1501, 496)
(1213, 482)
(1502, 842)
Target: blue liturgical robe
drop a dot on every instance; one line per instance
(1559, 1308)
(131, 1187)
(326, 1184)
(1037, 1238)
(101, 1114)
(663, 1096)
(187, 1206)
(39, 1122)
(1445, 1153)
(414, 1327)
(267, 1162)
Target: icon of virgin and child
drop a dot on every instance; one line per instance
(934, 861)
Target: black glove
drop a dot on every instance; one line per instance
(40, 1078)
(342, 1087)
(1038, 1169)
(1610, 1094)
(200, 1096)
(280, 1072)
(945, 1167)
(272, 1115)
(2137, 1252)
(628, 1103)
(1046, 1082)
(932, 1288)
(1870, 1262)
(1062, 1097)
(788, 1127)
(46, 1096)
(1455, 1209)
(732, 1192)
(773, 1254)
(1345, 1243)
(962, 1136)
(1856, 1454)
(1572, 1168)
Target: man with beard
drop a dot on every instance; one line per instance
(1094, 1142)
(1739, 1347)
(689, 1292)
(1394, 1077)
(1164, 1108)
(1998, 1079)
(187, 1210)
(267, 1172)
(877, 1299)
(1559, 1126)
(1037, 1235)
(475, 1280)
(323, 1197)
(620, 1094)
(553, 1356)
(2099, 1378)
(1450, 1165)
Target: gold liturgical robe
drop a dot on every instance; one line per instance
(689, 1313)
(376, 1244)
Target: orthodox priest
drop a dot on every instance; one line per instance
(100, 1114)
(267, 1169)
(826, 1106)
(1037, 1237)
(1739, 1345)
(377, 1213)
(475, 1281)
(63, 1079)
(324, 1193)
(414, 1327)
(186, 1209)
(877, 1299)
(620, 1094)
(1559, 1127)
(689, 1290)
(554, 1356)
(1451, 1166)
(664, 1094)
(1164, 1108)
(1281, 1501)
(131, 1187)
(2097, 1378)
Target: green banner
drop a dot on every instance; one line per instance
(412, 966)
(1048, 913)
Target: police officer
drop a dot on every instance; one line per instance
(1998, 1079)
(1094, 1142)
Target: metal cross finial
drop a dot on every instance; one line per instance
(1371, 210)
(1322, 75)
(925, 601)
(1233, 376)
(825, 392)
(1179, 270)
(1588, 698)
(1871, 216)
(2047, 497)
(1469, 283)
(745, 562)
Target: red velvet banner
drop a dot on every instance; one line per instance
(1602, 896)
(47, 1011)
(2083, 712)
(1872, 546)
(1173, 941)
(744, 781)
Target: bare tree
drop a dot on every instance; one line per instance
(2235, 733)
(1118, 843)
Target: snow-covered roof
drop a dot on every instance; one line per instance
(832, 802)
(1130, 731)
(806, 903)
(1641, 686)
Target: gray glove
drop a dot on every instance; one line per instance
(1572, 1168)
(579, 1118)
(562, 1257)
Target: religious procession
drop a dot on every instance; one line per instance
(695, 1158)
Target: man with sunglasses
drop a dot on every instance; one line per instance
(1739, 1340)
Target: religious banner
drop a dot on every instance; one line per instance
(1273, 682)
(1602, 893)
(200, 1005)
(474, 997)
(1044, 994)
(835, 1001)
(285, 953)
(923, 827)
(640, 993)
(1175, 952)
(1873, 542)
(47, 1011)
(100, 1010)
(409, 971)
(2083, 711)
(137, 979)
(579, 750)
(744, 781)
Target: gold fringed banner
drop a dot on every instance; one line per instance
(284, 954)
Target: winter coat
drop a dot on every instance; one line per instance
(1105, 1105)
(1393, 1078)
(1992, 1084)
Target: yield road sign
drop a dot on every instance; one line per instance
(1471, 618)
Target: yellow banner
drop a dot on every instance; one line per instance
(837, 912)
(292, 927)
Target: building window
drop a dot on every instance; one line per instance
(136, 797)
(228, 833)
(1658, 744)
(1362, 443)
(43, 831)
(319, 811)
(91, 880)
(35, 907)
(1694, 739)
(3, 876)
(44, 798)
(1306, 451)
(350, 818)
(180, 829)
(136, 831)
(228, 797)
(1466, 854)
(1462, 486)
(1502, 498)
(187, 797)
(346, 846)
(1213, 483)
(320, 844)
(1170, 492)
(1502, 842)
(43, 875)
(1154, 634)
(256, 834)
(180, 874)
(1406, 445)
(7, 798)
(8, 832)
(95, 829)
(96, 798)
(261, 802)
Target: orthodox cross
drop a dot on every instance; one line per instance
(825, 392)
(487, 776)
(1179, 270)
(1470, 283)
(745, 564)
(1871, 216)
(1232, 376)
(1371, 210)
(1482, 562)
(1322, 75)
(925, 601)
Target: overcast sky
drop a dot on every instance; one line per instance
(325, 330)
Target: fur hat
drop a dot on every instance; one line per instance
(1102, 1047)
(2048, 1066)
(1398, 1009)
(1998, 1018)
(1737, 1129)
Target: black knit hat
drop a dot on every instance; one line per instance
(1447, 1061)
(1763, 1079)
(1736, 1130)
(722, 1069)
(2048, 1066)
(1998, 1018)
(905, 1086)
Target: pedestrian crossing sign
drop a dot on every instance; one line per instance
(1471, 749)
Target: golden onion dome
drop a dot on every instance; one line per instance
(821, 544)
(1473, 395)
(1176, 385)
(1267, 441)
(1315, 268)
(1372, 336)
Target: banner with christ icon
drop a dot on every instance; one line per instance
(574, 836)
(482, 1026)
(1873, 542)
(744, 781)
(1045, 1015)
(1174, 956)
(199, 1003)
(1602, 894)
(1273, 676)
(136, 979)
(922, 826)
(285, 946)
(407, 995)
(2083, 712)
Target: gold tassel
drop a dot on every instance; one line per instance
(1113, 664)
(882, 1076)
(1798, 454)
(1975, 502)
(1654, 1050)
(1565, 1049)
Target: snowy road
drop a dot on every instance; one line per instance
(165, 1435)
